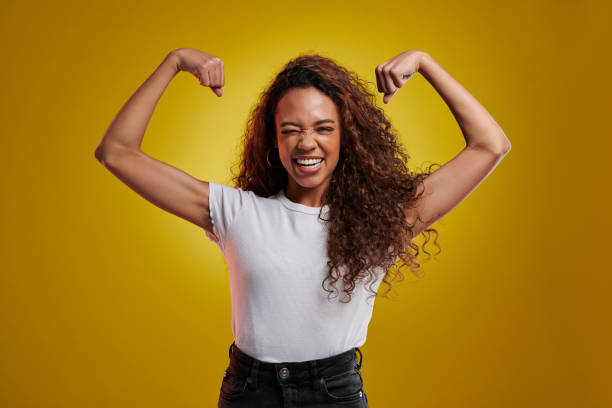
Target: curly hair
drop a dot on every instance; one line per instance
(369, 188)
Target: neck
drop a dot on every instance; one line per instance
(308, 196)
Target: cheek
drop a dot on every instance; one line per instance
(285, 156)
(336, 151)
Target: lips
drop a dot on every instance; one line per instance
(295, 159)
(308, 170)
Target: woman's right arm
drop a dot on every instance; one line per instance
(165, 186)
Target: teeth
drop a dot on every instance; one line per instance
(308, 161)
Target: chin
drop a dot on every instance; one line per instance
(310, 182)
(307, 185)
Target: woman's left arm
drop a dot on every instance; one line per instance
(486, 143)
(479, 128)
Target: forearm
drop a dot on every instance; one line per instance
(128, 127)
(477, 125)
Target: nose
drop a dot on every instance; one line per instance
(305, 141)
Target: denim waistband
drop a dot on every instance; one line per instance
(243, 365)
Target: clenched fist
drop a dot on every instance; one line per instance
(207, 68)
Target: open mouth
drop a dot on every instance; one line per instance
(309, 164)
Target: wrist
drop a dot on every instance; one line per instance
(173, 60)
(424, 58)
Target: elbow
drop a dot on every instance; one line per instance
(104, 152)
(506, 146)
(503, 147)
(100, 155)
(499, 149)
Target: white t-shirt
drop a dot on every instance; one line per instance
(277, 260)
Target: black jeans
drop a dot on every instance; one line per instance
(335, 381)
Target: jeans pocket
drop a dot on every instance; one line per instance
(347, 386)
(232, 386)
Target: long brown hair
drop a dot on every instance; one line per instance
(370, 186)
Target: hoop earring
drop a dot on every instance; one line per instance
(270, 164)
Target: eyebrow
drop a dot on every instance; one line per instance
(318, 122)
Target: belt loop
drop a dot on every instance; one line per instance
(360, 357)
(312, 365)
(253, 377)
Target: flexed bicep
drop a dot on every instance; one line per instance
(448, 186)
(165, 186)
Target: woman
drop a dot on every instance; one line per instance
(323, 195)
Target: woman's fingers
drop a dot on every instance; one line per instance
(389, 85)
(217, 82)
(215, 74)
(208, 78)
(212, 74)
(211, 81)
(203, 76)
(388, 97)
(397, 77)
(379, 79)
(388, 81)
(206, 67)
(385, 81)
(392, 74)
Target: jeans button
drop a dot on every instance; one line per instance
(284, 372)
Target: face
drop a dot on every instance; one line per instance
(308, 125)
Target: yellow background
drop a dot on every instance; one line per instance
(108, 301)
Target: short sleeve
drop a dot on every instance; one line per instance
(225, 203)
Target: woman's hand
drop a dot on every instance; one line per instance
(393, 74)
(207, 68)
